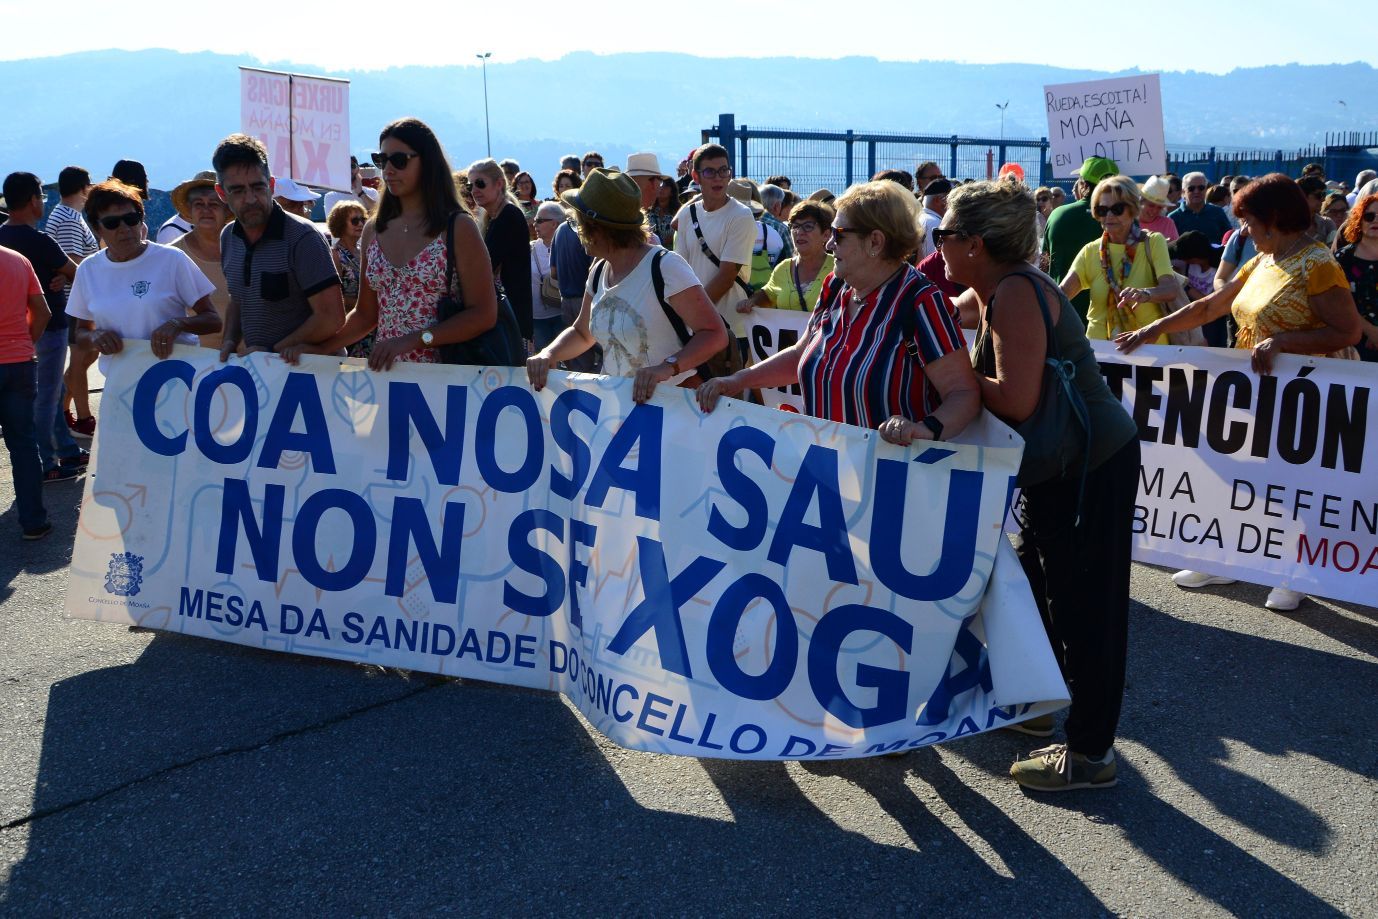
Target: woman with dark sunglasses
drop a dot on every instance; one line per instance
(1358, 257)
(403, 261)
(503, 224)
(1127, 270)
(135, 288)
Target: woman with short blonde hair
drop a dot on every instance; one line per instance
(1128, 270)
(505, 233)
(882, 348)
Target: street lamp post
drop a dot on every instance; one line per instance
(1002, 119)
(483, 61)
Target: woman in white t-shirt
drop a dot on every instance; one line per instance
(621, 310)
(135, 288)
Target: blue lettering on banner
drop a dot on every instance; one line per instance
(411, 526)
(640, 433)
(722, 630)
(146, 395)
(581, 458)
(299, 394)
(230, 454)
(817, 477)
(408, 408)
(742, 489)
(659, 611)
(532, 560)
(959, 533)
(892, 686)
(485, 448)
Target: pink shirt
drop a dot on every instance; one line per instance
(17, 283)
(1162, 225)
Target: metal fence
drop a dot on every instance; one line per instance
(837, 159)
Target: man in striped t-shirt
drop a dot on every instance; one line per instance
(69, 230)
(284, 289)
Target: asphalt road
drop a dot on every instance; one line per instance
(148, 774)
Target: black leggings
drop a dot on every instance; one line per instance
(1080, 579)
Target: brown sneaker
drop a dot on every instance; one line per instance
(1056, 768)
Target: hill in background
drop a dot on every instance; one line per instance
(169, 109)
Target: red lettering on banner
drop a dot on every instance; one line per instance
(1327, 554)
(317, 168)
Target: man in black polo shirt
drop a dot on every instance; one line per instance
(62, 458)
(283, 286)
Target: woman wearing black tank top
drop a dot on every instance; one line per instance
(1078, 484)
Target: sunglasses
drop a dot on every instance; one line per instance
(357, 221)
(131, 219)
(837, 234)
(398, 160)
(480, 184)
(941, 236)
(1369, 216)
(592, 164)
(1196, 188)
(1117, 209)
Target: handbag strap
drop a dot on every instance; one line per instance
(450, 252)
(1065, 373)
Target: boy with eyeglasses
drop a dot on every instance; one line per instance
(716, 235)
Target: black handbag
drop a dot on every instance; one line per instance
(500, 346)
(1057, 436)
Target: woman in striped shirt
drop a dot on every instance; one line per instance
(883, 348)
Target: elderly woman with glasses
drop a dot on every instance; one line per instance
(1078, 484)
(346, 222)
(1127, 270)
(135, 288)
(797, 282)
(882, 348)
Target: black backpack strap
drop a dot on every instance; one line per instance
(598, 272)
(712, 257)
(658, 283)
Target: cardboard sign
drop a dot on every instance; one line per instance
(303, 121)
(1120, 118)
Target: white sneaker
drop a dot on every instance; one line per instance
(1283, 600)
(1193, 579)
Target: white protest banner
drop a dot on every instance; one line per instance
(1267, 479)
(1120, 118)
(770, 331)
(303, 121)
(743, 584)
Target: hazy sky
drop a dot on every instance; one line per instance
(347, 34)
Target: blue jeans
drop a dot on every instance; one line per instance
(55, 441)
(16, 419)
(546, 330)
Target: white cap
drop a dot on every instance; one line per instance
(284, 187)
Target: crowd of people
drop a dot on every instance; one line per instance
(630, 271)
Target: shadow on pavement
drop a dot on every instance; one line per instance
(427, 795)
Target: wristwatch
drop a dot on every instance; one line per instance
(934, 425)
(673, 361)
(427, 338)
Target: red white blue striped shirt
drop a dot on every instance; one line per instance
(857, 370)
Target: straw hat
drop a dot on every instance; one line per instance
(1155, 190)
(644, 164)
(182, 193)
(746, 193)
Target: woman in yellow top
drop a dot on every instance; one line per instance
(796, 282)
(1127, 270)
(1290, 298)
